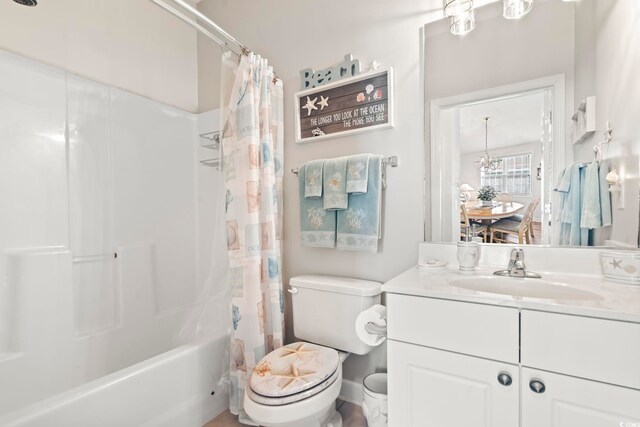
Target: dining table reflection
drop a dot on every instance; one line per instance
(498, 210)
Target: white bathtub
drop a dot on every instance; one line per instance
(172, 389)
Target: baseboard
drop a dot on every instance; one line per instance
(351, 392)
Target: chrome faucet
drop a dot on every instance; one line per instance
(516, 263)
(516, 267)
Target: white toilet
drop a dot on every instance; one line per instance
(297, 385)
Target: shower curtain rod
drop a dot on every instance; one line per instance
(233, 44)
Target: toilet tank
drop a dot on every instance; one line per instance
(325, 309)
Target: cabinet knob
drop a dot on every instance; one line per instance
(537, 386)
(504, 379)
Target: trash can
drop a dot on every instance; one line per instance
(374, 406)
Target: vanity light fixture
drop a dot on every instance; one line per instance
(456, 7)
(463, 23)
(462, 15)
(486, 162)
(516, 9)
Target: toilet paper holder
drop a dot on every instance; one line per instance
(379, 331)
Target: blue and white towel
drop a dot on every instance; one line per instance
(357, 173)
(591, 216)
(317, 225)
(359, 227)
(578, 236)
(313, 181)
(335, 184)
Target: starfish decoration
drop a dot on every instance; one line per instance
(310, 105)
(294, 376)
(298, 351)
(374, 65)
(323, 102)
(615, 264)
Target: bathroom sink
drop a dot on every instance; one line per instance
(528, 288)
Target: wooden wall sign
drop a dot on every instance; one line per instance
(352, 105)
(349, 67)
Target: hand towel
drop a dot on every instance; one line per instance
(571, 189)
(357, 173)
(359, 227)
(605, 195)
(563, 187)
(317, 226)
(334, 184)
(313, 181)
(591, 216)
(579, 236)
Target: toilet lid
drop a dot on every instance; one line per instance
(293, 369)
(284, 400)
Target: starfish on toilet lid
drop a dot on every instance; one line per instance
(294, 376)
(298, 351)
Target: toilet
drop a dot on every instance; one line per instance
(297, 385)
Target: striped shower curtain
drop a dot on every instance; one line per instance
(252, 149)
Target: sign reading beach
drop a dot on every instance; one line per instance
(356, 104)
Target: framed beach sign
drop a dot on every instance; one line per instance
(346, 107)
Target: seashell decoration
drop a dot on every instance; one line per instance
(237, 355)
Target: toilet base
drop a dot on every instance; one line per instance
(329, 418)
(316, 411)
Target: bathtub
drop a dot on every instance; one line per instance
(184, 387)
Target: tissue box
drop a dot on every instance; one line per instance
(621, 266)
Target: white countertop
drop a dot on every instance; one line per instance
(614, 301)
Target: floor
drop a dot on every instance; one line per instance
(351, 417)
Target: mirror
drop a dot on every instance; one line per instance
(559, 88)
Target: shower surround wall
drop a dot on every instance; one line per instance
(99, 230)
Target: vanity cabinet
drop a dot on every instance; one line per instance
(455, 364)
(600, 360)
(429, 387)
(566, 401)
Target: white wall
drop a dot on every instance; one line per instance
(295, 35)
(607, 66)
(129, 44)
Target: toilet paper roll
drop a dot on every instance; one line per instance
(376, 333)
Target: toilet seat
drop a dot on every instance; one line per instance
(292, 373)
(277, 401)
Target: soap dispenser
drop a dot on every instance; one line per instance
(468, 253)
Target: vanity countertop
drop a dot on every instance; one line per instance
(608, 300)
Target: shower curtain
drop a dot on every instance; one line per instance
(252, 150)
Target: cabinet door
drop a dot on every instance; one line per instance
(573, 402)
(435, 388)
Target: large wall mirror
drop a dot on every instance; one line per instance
(532, 125)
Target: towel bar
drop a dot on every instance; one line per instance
(387, 161)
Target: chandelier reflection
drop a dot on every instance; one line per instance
(487, 163)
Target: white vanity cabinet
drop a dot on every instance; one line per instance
(575, 402)
(429, 387)
(600, 363)
(434, 380)
(454, 363)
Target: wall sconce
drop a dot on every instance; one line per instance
(614, 181)
(616, 185)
